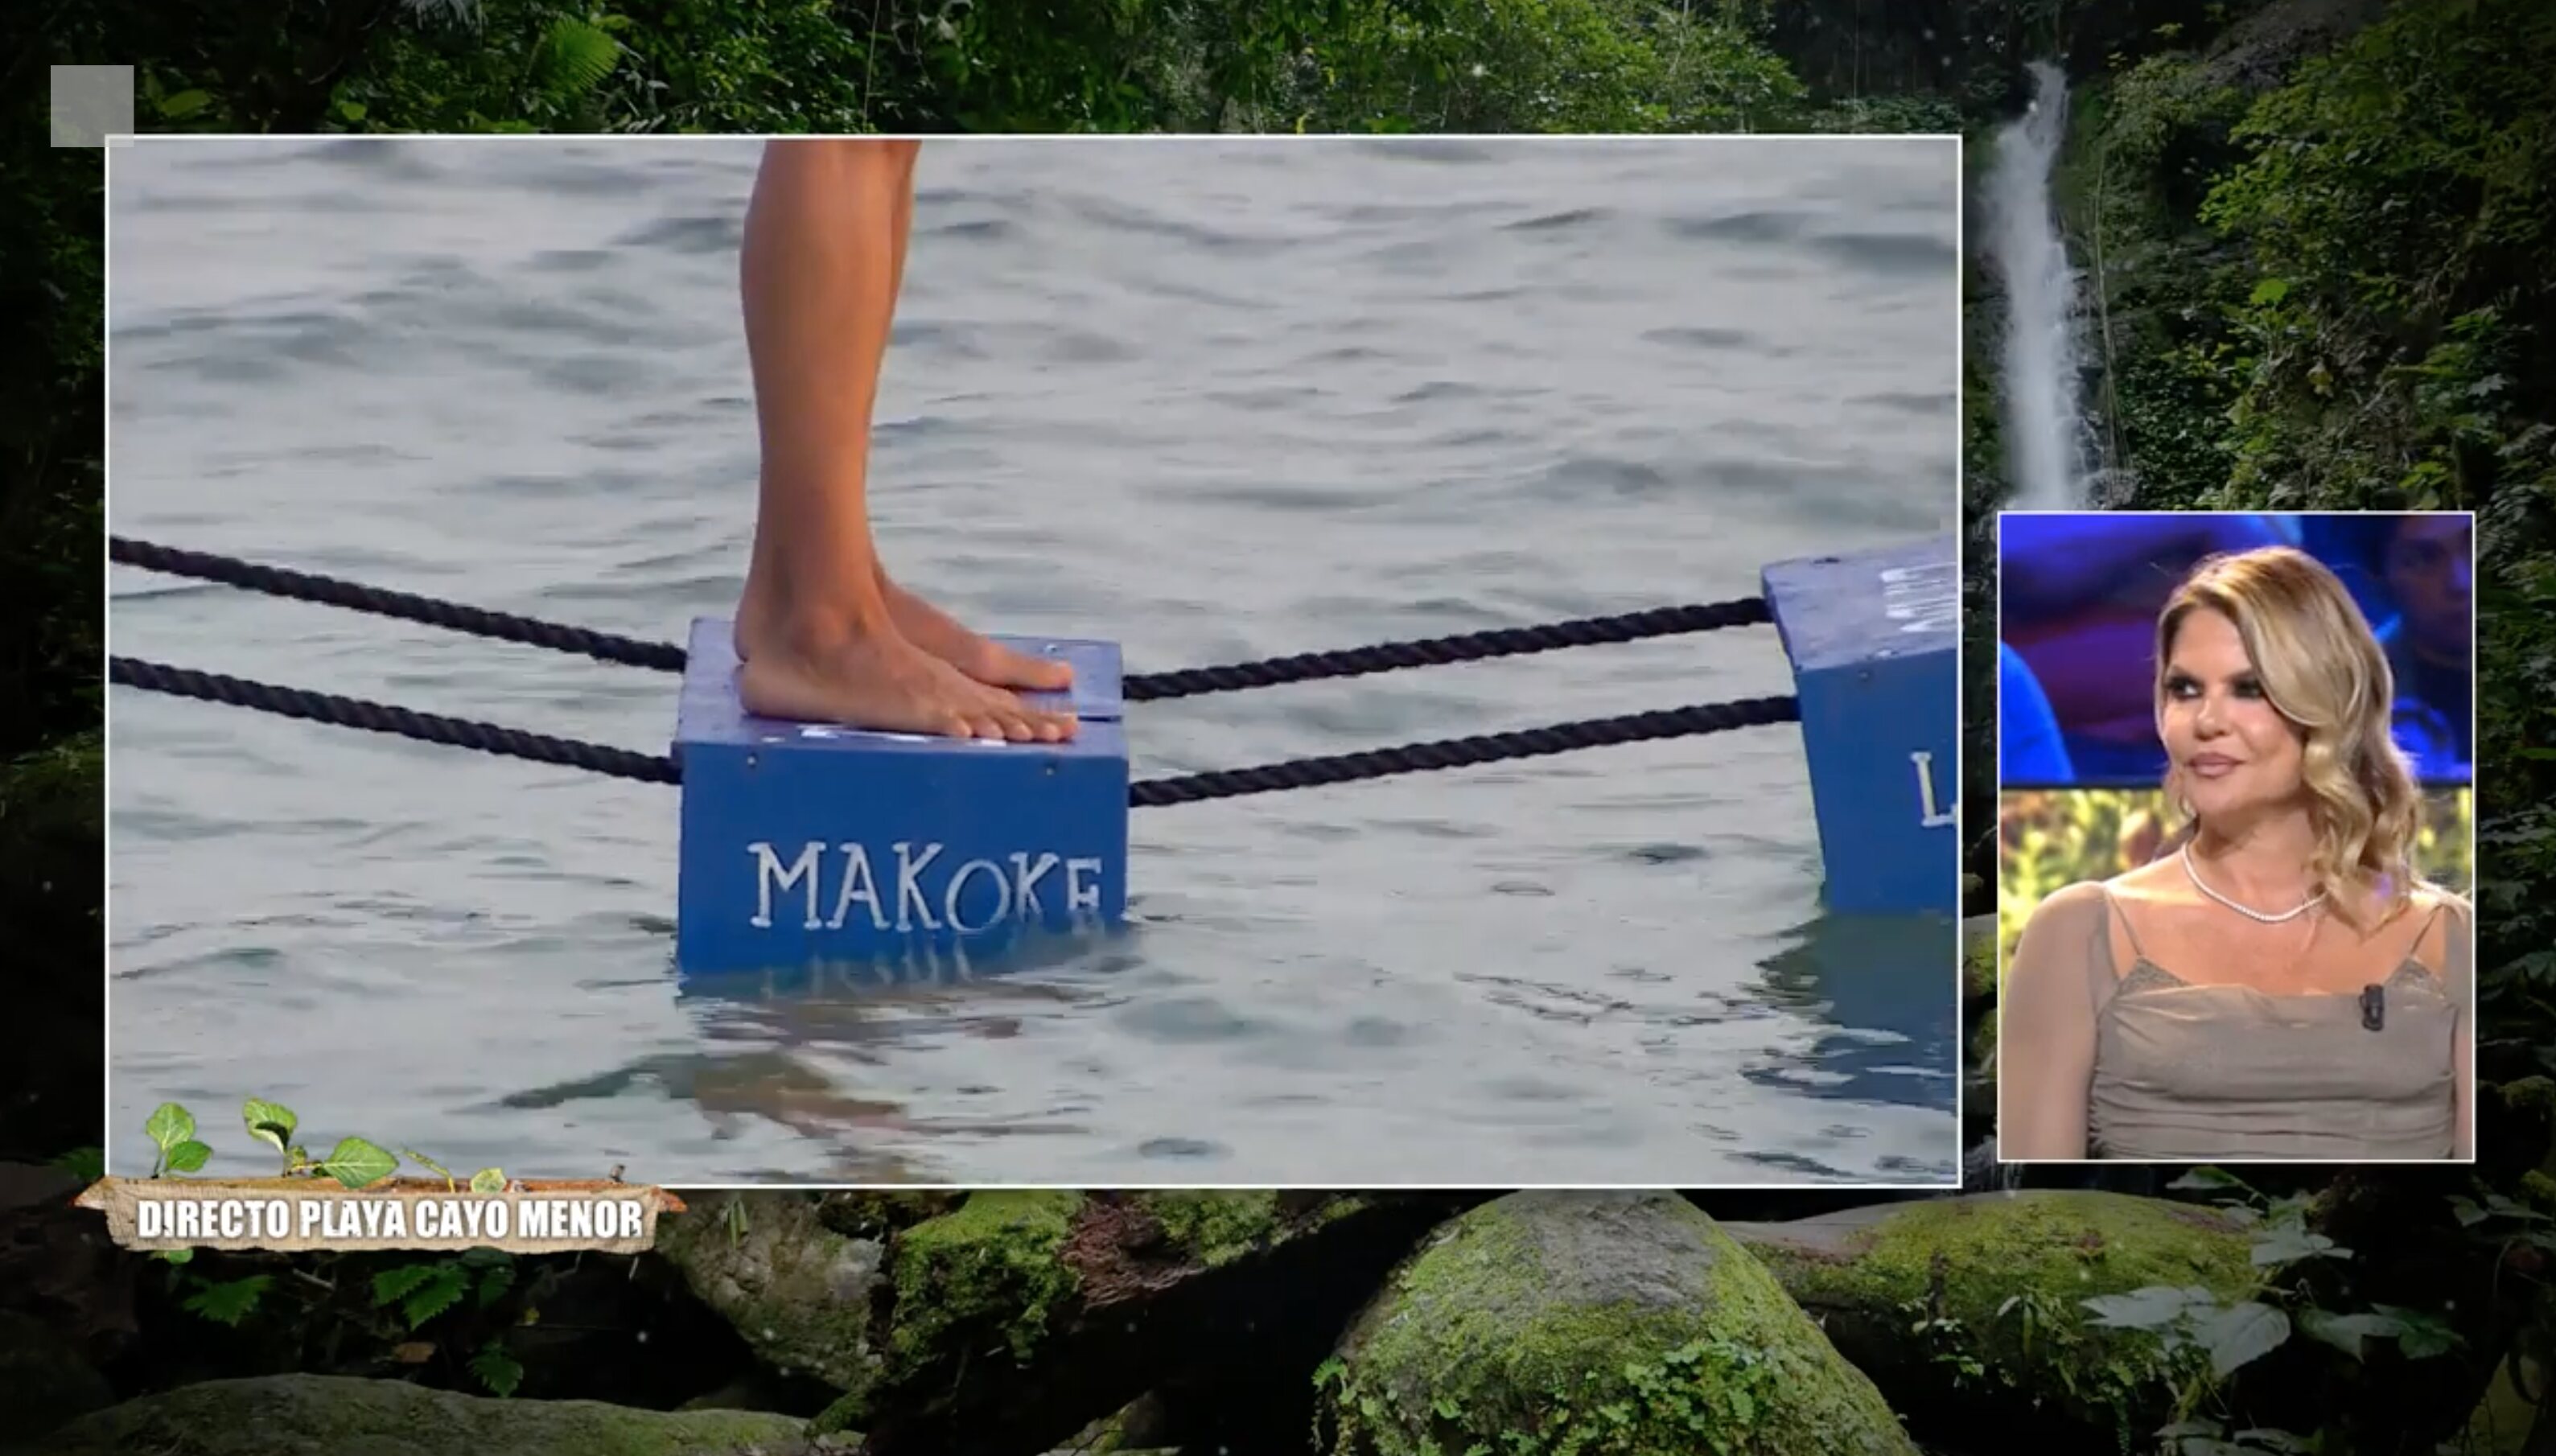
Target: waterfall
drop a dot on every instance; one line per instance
(2045, 424)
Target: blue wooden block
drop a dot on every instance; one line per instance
(805, 844)
(1874, 640)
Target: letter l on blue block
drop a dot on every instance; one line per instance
(1874, 640)
(806, 844)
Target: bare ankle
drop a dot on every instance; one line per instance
(817, 627)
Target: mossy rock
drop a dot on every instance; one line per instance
(1216, 1228)
(1128, 1431)
(996, 1296)
(1980, 955)
(801, 1294)
(876, 1214)
(341, 1415)
(1594, 1324)
(1022, 1317)
(996, 1259)
(1989, 1288)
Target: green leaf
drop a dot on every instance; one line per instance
(2349, 1333)
(2424, 1344)
(174, 1255)
(488, 1180)
(2290, 1243)
(88, 1165)
(430, 1165)
(2238, 1337)
(398, 1282)
(2269, 290)
(170, 1124)
(572, 58)
(2205, 1179)
(270, 1122)
(357, 1164)
(444, 1286)
(2152, 1309)
(350, 112)
(231, 1301)
(184, 104)
(2422, 1335)
(497, 1368)
(188, 1155)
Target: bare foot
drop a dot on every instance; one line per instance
(926, 627)
(980, 658)
(880, 682)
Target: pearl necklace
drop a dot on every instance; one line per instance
(2189, 873)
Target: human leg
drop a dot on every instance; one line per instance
(823, 251)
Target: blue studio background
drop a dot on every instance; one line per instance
(2078, 597)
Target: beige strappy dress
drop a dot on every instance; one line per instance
(2193, 1073)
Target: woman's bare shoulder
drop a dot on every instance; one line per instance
(2428, 902)
(2156, 880)
(2070, 905)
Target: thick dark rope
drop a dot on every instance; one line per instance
(350, 712)
(1459, 753)
(1413, 758)
(1467, 646)
(665, 656)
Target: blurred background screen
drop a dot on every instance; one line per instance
(2078, 597)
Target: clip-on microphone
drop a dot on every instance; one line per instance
(2374, 1008)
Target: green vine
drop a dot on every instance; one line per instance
(354, 1162)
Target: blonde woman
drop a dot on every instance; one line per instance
(2278, 983)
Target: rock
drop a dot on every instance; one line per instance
(1143, 1424)
(339, 1415)
(1908, 1292)
(1020, 1318)
(2264, 47)
(69, 1294)
(801, 1294)
(28, 1184)
(1626, 1323)
(1979, 956)
(753, 1391)
(43, 1380)
(871, 1214)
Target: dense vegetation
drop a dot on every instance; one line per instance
(2321, 236)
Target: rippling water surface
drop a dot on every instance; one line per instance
(1217, 400)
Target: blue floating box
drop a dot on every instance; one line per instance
(806, 844)
(1874, 640)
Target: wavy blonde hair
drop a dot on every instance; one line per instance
(2322, 668)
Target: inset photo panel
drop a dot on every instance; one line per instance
(2236, 849)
